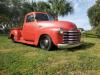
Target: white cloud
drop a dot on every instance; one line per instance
(80, 17)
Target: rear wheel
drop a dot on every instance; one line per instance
(46, 42)
(13, 38)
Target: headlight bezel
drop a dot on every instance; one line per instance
(61, 31)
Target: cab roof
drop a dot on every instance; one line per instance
(36, 13)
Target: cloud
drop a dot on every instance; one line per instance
(79, 17)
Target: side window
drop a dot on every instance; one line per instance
(30, 18)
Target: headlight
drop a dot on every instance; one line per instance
(61, 31)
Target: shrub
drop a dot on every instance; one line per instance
(97, 31)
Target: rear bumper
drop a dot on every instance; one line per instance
(68, 45)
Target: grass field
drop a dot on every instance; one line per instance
(21, 59)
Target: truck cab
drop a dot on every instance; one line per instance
(41, 29)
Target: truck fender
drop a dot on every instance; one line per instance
(15, 33)
(53, 35)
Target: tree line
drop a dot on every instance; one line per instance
(94, 17)
(12, 12)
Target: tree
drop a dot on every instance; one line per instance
(40, 6)
(10, 13)
(4, 10)
(27, 7)
(98, 2)
(94, 14)
(53, 7)
(94, 17)
(14, 10)
(97, 31)
(60, 7)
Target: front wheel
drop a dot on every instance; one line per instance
(46, 42)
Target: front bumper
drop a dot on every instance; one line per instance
(68, 45)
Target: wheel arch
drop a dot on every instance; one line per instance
(14, 33)
(42, 36)
(55, 37)
(52, 37)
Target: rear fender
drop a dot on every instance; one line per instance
(15, 33)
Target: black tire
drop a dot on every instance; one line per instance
(46, 42)
(13, 38)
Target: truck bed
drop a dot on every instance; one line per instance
(16, 28)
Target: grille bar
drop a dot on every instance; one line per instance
(71, 37)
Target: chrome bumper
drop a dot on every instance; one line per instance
(68, 45)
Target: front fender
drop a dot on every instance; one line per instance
(52, 33)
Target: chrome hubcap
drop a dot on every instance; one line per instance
(45, 43)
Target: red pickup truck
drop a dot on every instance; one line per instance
(41, 29)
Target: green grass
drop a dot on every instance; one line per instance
(20, 59)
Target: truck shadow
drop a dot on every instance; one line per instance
(83, 46)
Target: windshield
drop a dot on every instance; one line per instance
(43, 17)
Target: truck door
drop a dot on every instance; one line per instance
(28, 28)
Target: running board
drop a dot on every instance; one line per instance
(26, 42)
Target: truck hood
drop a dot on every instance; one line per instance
(57, 24)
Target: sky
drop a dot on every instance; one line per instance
(79, 16)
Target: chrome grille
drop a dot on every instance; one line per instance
(71, 37)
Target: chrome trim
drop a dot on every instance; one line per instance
(71, 36)
(68, 45)
(70, 39)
